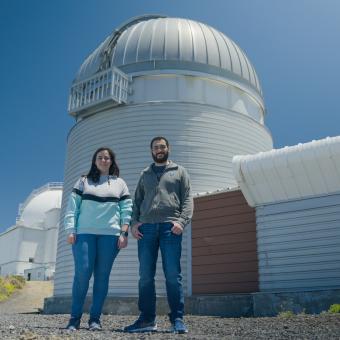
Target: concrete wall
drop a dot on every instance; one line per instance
(232, 305)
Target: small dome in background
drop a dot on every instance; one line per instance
(152, 42)
(32, 212)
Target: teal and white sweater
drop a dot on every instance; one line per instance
(98, 208)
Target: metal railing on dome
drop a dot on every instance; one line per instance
(111, 84)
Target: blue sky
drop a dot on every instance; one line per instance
(293, 44)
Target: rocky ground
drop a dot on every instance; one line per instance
(37, 326)
(19, 319)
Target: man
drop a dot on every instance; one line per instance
(163, 206)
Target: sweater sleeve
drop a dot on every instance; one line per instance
(138, 199)
(187, 202)
(73, 207)
(125, 205)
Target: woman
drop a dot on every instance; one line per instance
(96, 222)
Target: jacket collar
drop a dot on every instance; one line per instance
(171, 166)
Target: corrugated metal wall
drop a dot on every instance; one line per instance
(224, 258)
(299, 244)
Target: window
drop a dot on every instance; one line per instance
(31, 259)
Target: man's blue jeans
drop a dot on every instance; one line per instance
(93, 254)
(159, 236)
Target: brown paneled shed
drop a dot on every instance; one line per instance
(224, 251)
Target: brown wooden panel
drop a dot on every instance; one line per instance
(236, 248)
(223, 220)
(230, 258)
(213, 204)
(224, 252)
(224, 230)
(222, 211)
(227, 277)
(250, 266)
(224, 239)
(239, 287)
(220, 196)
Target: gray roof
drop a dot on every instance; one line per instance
(153, 42)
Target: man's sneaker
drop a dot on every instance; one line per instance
(140, 326)
(73, 324)
(179, 327)
(94, 325)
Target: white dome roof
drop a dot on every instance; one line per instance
(32, 212)
(152, 43)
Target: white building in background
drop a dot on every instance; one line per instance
(162, 76)
(29, 247)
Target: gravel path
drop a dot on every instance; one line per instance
(20, 320)
(37, 326)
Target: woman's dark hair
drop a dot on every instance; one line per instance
(94, 173)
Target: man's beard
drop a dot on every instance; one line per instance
(162, 159)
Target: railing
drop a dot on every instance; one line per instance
(110, 84)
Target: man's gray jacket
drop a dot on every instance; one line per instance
(166, 200)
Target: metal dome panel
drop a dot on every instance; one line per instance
(157, 39)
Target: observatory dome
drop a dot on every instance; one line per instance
(159, 76)
(152, 42)
(32, 211)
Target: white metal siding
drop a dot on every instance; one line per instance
(299, 244)
(196, 88)
(10, 241)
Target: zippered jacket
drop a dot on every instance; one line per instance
(168, 199)
(98, 208)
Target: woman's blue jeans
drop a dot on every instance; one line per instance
(93, 254)
(159, 236)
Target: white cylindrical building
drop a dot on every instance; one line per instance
(162, 76)
(32, 242)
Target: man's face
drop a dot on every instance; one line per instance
(160, 152)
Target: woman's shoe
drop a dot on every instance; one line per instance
(94, 325)
(73, 324)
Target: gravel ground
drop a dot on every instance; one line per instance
(38, 326)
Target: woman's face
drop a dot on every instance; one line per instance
(103, 162)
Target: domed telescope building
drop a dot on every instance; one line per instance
(154, 76)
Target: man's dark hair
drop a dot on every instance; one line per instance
(159, 138)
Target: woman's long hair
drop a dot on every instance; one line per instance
(94, 173)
